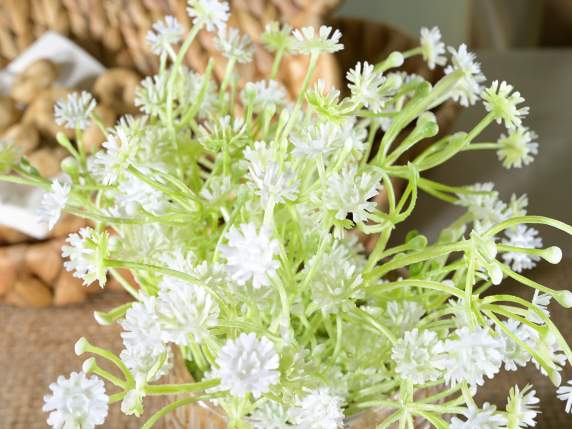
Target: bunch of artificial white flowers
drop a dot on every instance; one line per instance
(236, 209)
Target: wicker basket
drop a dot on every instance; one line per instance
(114, 31)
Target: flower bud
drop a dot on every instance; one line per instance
(564, 298)
(88, 365)
(395, 59)
(81, 346)
(70, 166)
(552, 254)
(102, 318)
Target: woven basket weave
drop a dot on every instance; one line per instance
(114, 31)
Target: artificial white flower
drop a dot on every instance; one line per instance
(109, 164)
(210, 13)
(213, 135)
(468, 88)
(319, 409)
(135, 195)
(269, 415)
(548, 347)
(415, 354)
(76, 402)
(501, 101)
(470, 356)
(151, 94)
(87, 251)
(522, 407)
(564, 393)
(308, 40)
(541, 301)
(485, 206)
(247, 365)
(147, 364)
(480, 418)
(271, 181)
(352, 136)
(164, 34)
(514, 355)
(185, 312)
(524, 237)
(145, 354)
(316, 141)
(277, 37)
(517, 148)
(250, 255)
(350, 192)
(264, 94)
(324, 99)
(141, 325)
(132, 403)
(74, 111)
(336, 279)
(432, 48)
(365, 86)
(403, 315)
(53, 203)
(234, 46)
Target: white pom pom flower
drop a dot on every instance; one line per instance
(472, 355)
(522, 407)
(319, 409)
(365, 86)
(523, 237)
(164, 35)
(468, 88)
(74, 111)
(350, 192)
(432, 48)
(234, 46)
(250, 255)
(308, 40)
(185, 312)
(501, 101)
(210, 13)
(517, 148)
(480, 418)
(415, 355)
(247, 365)
(76, 402)
(87, 251)
(53, 203)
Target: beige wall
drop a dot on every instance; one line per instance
(493, 24)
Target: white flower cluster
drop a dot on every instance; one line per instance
(257, 228)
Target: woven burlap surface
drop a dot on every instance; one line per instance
(37, 345)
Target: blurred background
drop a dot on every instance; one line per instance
(43, 310)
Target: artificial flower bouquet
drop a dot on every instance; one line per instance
(238, 212)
